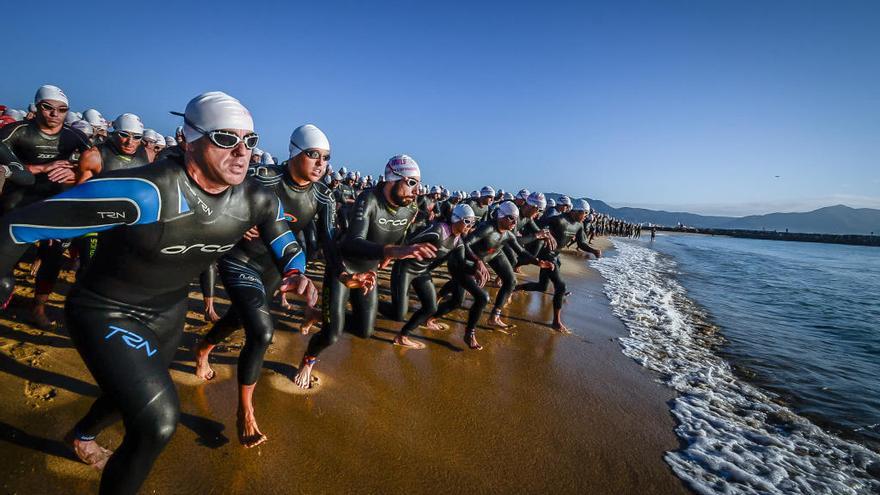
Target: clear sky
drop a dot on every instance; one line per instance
(693, 105)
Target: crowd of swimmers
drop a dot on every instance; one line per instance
(144, 215)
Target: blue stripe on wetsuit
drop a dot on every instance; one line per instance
(280, 243)
(144, 194)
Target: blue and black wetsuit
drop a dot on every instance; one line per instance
(374, 224)
(126, 313)
(250, 276)
(416, 273)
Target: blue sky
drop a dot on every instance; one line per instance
(681, 105)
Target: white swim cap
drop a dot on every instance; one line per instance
(523, 194)
(537, 199)
(580, 205)
(307, 137)
(128, 122)
(337, 176)
(267, 159)
(564, 200)
(349, 175)
(343, 170)
(32, 107)
(94, 118)
(444, 192)
(49, 92)
(401, 166)
(179, 131)
(507, 196)
(551, 202)
(152, 136)
(487, 191)
(507, 209)
(257, 151)
(475, 194)
(170, 141)
(84, 127)
(70, 118)
(436, 190)
(460, 211)
(213, 111)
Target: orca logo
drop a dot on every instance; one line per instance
(132, 340)
(204, 248)
(393, 223)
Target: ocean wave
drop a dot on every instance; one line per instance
(736, 438)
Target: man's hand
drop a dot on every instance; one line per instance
(546, 265)
(421, 252)
(547, 237)
(302, 286)
(366, 281)
(60, 171)
(482, 273)
(252, 233)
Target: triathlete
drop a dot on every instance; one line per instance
(563, 227)
(121, 150)
(163, 225)
(251, 278)
(481, 203)
(43, 147)
(445, 236)
(379, 221)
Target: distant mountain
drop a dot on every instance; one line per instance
(838, 219)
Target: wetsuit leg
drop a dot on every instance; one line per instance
(455, 299)
(481, 300)
(250, 307)
(86, 247)
(334, 296)
(400, 281)
(51, 255)
(207, 280)
(446, 289)
(128, 349)
(424, 288)
(540, 285)
(559, 288)
(508, 279)
(363, 312)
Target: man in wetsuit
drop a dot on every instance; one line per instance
(481, 203)
(563, 228)
(175, 151)
(162, 225)
(44, 147)
(485, 245)
(121, 150)
(251, 278)
(379, 221)
(445, 237)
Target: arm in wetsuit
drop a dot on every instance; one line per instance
(20, 175)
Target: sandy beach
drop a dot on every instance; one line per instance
(534, 412)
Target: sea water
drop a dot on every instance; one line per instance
(773, 349)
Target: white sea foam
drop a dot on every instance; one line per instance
(736, 438)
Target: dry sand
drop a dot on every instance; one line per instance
(534, 412)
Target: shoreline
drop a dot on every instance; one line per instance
(533, 411)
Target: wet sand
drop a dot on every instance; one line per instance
(533, 412)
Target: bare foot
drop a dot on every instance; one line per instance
(433, 324)
(495, 321)
(560, 327)
(36, 267)
(39, 318)
(89, 451)
(203, 367)
(405, 341)
(249, 433)
(471, 339)
(211, 315)
(310, 317)
(303, 378)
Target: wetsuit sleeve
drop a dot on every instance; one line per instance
(519, 250)
(275, 232)
(478, 235)
(582, 241)
(93, 206)
(325, 224)
(20, 175)
(530, 230)
(355, 243)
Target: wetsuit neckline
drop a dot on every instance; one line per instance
(200, 188)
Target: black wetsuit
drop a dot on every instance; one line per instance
(126, 314)
(563, 229)
(347, 193)
(487, 244)
(173, 152)
(112, 158)
(408, 272)
(23, 143)
(250, 276)
(481, 212)
(373, 224)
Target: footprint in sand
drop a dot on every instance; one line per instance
(188, 378)
(39, 394)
